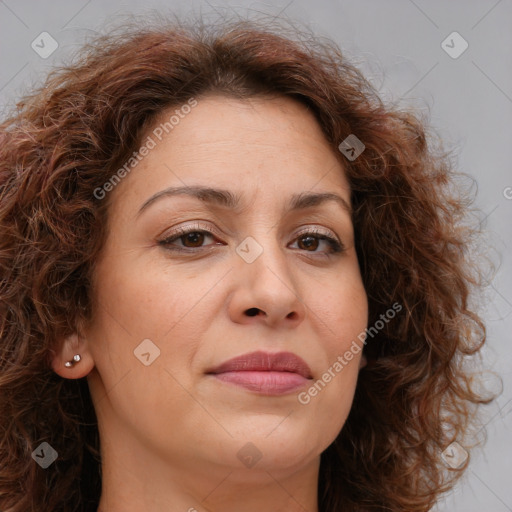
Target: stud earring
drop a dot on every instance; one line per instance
(76, 359)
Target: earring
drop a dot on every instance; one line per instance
(76, 359)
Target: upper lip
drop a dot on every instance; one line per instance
(265, 362)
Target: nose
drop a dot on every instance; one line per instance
(266, 290)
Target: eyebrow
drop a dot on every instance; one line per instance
(227, 199)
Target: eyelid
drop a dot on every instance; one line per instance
(318, 231)
(196, 225)
(207, 227)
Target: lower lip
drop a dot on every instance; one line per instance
(267, 383)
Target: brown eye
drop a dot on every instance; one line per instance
(311, 240)
(193, 239)
(308, 242)
(190, 239)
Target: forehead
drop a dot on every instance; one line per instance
(270, 121)
(271, 143)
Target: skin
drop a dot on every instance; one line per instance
(170, 434)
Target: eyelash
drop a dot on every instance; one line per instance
(336, 246)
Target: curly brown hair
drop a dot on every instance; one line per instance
(67, 139)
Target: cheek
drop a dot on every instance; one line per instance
(343, 309)
(172, 310)
(344, 316)
(147, 301)
(137, 306)
(327, 402)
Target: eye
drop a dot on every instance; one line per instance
(193, 237)
(311, 239)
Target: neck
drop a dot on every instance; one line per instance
(140, 488)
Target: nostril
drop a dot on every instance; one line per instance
(253, 311)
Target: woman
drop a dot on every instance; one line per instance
(231, 279)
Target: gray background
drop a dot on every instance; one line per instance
(398, 45)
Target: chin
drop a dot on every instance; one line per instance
(269, 445)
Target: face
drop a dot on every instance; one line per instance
(188, 281)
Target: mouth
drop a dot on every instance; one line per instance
(265, 373)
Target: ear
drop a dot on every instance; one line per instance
(69, 347)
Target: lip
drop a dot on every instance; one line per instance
(265, 373)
